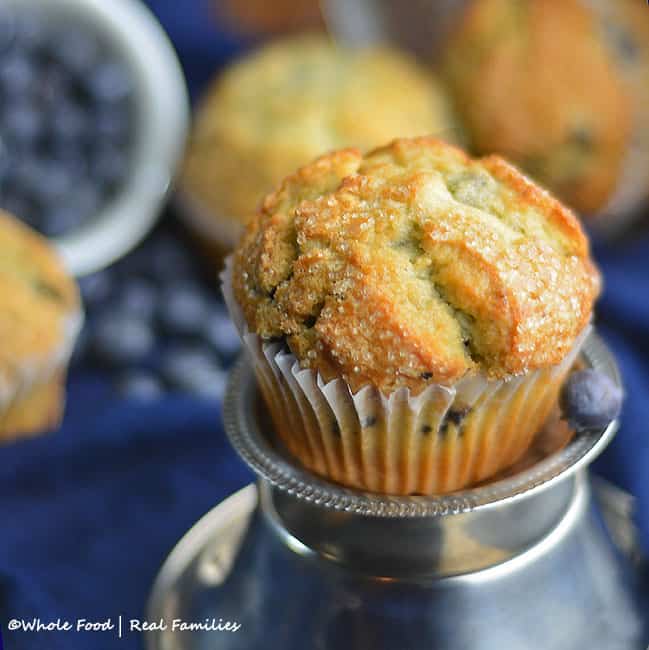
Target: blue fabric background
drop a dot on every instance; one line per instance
(89, 513)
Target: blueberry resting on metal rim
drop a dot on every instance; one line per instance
(590, 400)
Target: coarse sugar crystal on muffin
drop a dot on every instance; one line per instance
(40, 316)
(536, 82)
(431, 304)
(284, 104)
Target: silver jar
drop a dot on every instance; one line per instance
(524, 562)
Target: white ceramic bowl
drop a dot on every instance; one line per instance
(162, 118)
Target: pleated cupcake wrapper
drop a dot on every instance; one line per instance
(441, 440)
(215, 229)
(18, 383)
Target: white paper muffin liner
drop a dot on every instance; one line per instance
(19, 384)
(441, 440)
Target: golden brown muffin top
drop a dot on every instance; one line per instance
(535, 81)
(37, 299)
(290, 101)
(415, 264)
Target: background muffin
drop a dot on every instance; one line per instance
(624, 28)
(291, 101)
(536, 82)
(414, 268)
(39, 319)
(263, 17)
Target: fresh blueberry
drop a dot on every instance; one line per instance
(68, 122)
(112, 125)
(32, 30)
(71, 159)
(61, 219)
(109, 166)
(75, 48)
(22, 124)
(96, 288)
(53, 87)
(139, 298)
(55, 184)
(193, 370)
(121, 339)
(183, 310)
(17, 74)
(590, 400)
(623, 42)
(169, 260)
(110, 83)
(25, 175)
(221, 334)
(141, 386)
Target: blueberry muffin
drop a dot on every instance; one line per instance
(283, 105)
(39, 318)
(624, 27)
(411, 312)
(536, 82)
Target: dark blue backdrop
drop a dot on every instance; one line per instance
(90, 512)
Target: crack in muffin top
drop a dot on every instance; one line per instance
(415, 264)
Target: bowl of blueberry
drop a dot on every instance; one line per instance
(93, 122)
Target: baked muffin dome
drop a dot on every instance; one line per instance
(536, 82)
(289, 102)
(415, 264)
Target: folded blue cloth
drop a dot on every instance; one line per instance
(623, 320)
(90, 512)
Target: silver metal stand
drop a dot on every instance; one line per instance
(525, 562)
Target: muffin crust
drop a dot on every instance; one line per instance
(415, 264)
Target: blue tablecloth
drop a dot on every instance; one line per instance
(90, 512)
